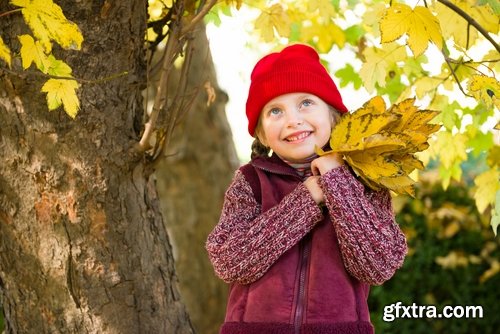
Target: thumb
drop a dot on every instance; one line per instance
(314, 168)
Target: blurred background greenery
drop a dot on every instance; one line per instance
(453, 259)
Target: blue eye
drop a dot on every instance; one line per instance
(307, 103)
(275, 111)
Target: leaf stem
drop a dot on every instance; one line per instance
(471, 21)
(80, 80)
(11, 12)
(455, 76)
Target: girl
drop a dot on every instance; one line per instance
(300, 239)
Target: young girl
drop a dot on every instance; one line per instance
(300, 239)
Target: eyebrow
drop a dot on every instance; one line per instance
(271, 106)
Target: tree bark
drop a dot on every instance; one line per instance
(191, 181)
(83, 246)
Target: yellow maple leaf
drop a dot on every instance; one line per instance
(4, 52)
(372, 16)
(351, 130)
(487, 185)
(425, 85)
(155, 9)
(495, 216)
(412, 118)
(451, 148)
(379, 143)
(237, 3)
(273, 18)
(486, 89)
(453, 25)
(419, 24)
(377, 61)
(399, 184)
(324, 8)
(33, 51)
(47, 22)
(325, 35)
(62, 92)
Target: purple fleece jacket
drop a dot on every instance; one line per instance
(295, 267)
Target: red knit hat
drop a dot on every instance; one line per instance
(295, 69)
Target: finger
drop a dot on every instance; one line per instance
(314, 168)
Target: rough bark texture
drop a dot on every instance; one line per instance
(191, 182)
(83, 247)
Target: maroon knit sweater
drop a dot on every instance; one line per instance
(253, 235)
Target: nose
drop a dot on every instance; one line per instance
(294, 118)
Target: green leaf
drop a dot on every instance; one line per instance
(393, 87)
(336, 4)
(494, 4)
(446, 174)
(353, 34)
(479, 141)
(58, 67)
(294, 32)
(348, 75)
(413, 67)
(448, 115)
(213, 17)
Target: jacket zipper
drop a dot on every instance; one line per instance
(301, 291)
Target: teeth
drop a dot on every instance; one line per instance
(300, 136)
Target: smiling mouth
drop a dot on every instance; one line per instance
(297, 137)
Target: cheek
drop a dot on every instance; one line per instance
(271, 130)
(325, 134)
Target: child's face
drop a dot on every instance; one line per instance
(293, 124)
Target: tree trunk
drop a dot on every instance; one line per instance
(83, 247)
(191, 181)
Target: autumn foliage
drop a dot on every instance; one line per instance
(380, 144)
(445, 54)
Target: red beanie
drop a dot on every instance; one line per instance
(295, 69)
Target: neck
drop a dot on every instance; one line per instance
(303, 167)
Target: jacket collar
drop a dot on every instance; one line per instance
(275, 165)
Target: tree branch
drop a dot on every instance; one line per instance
(160, 97)
(201, 14)
(455, 77)
(80, 80)
(471, 21)
(175, 42)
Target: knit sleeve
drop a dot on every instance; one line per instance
(246, 242)
(372, 244)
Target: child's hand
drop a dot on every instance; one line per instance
(325, 163)
(312, 185)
